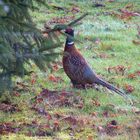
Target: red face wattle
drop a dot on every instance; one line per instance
(69, 31)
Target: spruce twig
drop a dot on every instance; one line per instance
(60, 27)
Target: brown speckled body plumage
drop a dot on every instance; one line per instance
(75, 66)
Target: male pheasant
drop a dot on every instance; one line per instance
(78, 70)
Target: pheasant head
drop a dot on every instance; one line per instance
(69, 40)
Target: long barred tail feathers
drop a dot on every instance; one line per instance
(113, 88)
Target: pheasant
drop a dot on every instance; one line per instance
(78, 70)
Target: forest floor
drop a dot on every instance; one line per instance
(45, 106)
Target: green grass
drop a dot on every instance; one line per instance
(116, 42)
